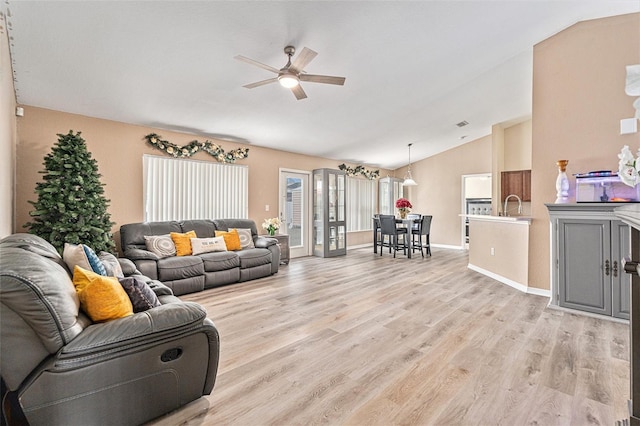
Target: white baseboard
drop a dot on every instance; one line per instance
(447, 246)
(539, 292)
(518, 286)
(360, 246)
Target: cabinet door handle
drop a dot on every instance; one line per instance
(615, 268)
(629, 266)
(607, 267)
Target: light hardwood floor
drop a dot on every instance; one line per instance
(370, 340)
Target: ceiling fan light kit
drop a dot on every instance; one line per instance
(288, 80)
(292, 73)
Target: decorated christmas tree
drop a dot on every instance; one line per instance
(71, 206)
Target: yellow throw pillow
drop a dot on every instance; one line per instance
(183, 242)
(102, 298)
(231, 239)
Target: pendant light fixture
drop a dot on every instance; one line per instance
(408, 179)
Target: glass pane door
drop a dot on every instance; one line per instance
(294, 211)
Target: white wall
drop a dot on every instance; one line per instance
(7, 135)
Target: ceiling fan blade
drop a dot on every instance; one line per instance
(298, 92)
(326, 79)
(261, 83)
(303, 59)
(256, 63)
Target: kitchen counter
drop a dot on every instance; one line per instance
(526, 220)
(499, 248)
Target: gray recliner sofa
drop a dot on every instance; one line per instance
(188, 274)
(60, 368)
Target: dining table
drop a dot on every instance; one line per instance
(407, 223)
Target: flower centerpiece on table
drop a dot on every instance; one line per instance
(271, 225)
(403, 205)
(628, 167)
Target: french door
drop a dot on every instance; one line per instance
(294, 211)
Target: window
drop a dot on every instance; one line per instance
(361, 204)
(180, 189)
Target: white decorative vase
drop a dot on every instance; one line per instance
(562, 182)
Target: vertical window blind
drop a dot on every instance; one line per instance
(361, 204)
(180, 189)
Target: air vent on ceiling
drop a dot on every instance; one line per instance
(462, 123)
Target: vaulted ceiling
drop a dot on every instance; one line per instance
(413, 68)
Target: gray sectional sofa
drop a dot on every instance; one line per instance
(188, 274)
(61, 368)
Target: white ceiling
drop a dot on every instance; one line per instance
(413, 69)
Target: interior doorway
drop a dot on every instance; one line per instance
(476, 199)
(294, 211)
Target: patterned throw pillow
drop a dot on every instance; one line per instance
(160, 245)
(102, 298)
(94, 260)
(246, 239)
(231, 239)
(183, 242)
(83, 256)
(206, 245)
(141, 296)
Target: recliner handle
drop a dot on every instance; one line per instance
(171, 354)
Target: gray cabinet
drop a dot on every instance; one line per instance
(621, 282)
(283, 242)
(588, 245)
(329, 213)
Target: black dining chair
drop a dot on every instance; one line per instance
(416, 220)
(393, 233)
(424, 229)
(379, 241)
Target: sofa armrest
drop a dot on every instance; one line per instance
(103, 341)
(264, 242)
(139, 254)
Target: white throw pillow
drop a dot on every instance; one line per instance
(206, 245)
(160, 245)
(246, 239)
(84, 257)
(73, 254)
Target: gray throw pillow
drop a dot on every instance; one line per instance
(111, 264)
(141, 295)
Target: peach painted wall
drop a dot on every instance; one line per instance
(517, 146)
(118, 148)
(516, 155)
(439, 190)
(7, 135)
(578, 102)
(510, 243)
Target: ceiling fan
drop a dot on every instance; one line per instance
(292, 73)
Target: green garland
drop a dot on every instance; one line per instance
(360, 170)
(193, 147)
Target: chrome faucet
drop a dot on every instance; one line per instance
(506, 202)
